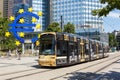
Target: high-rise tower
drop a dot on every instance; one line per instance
(10, 7)
(77, 12)
(22, 4)
(43, 6)
(4, 8)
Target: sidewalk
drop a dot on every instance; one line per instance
(114, 52)
(13, 55)
(14, 60)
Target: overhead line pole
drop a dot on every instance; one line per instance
(61, 23)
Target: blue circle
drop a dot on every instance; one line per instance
(29, 26)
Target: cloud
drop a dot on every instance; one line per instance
(114, 15)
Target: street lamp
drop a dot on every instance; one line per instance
(61, 18)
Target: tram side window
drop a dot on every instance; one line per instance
(93, 47)
(61, 48)
(86, 48)
(71, 48)
(76, 48)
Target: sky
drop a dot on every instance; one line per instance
(112, 21)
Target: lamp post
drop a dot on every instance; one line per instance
(61, 18)
(90, 49)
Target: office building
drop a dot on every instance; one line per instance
(4, 8)
(38, 6)
(10, 7)
(43, 6)
(77, 12)
(22, 4)
(1, 8)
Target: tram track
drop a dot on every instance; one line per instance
(39, 72)
(16, 72)
(27, 75)
(34, 71)
(100, 69)
(106, 66)
(21, 71)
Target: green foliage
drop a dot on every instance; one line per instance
(6, 42)
(110, 5)
(69, 28)
(53, 27)
(112, 40)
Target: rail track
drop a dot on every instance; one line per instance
(29, 73)
(100, 69)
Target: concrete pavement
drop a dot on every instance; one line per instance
(28, 68)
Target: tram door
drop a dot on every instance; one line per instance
(86, 49)
(97, 50)
(82, 51)
(93, 51)
(101, 51)
(72, 50)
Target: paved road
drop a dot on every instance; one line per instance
(28, 68)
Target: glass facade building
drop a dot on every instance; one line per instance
(4, 8)
(77, 12)
(43, 6)
(22, 4)
(10, 8)
(37, 5)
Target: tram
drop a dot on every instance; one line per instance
(62, 49)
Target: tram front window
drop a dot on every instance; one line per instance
(47, 44)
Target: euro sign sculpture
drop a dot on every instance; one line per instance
(23, 27)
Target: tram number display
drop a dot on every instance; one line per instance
(47, 37)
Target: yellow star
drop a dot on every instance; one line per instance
(7, 34)
(21, 20)
(37, 43)
(21, 11)
(38, 26)
(34, 19)
(12, 18)
(21, 34)
(39, 35)
(30, 9)
(17, 43)
(40, 13)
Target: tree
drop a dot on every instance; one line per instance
(6, 42)
(110, 5)
(112, 40)
(69, 28)
(53, 27)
